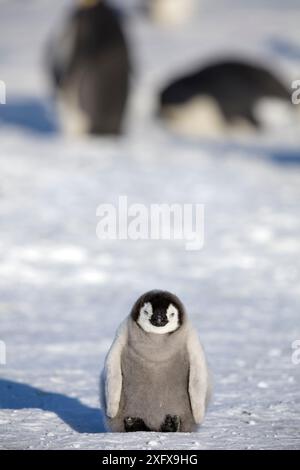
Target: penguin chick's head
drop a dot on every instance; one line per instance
(158, 312)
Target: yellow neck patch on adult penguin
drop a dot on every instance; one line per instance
(88, 3)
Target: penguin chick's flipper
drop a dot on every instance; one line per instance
(113, 372)
(171, 424)
(198, 377)
(135, 424)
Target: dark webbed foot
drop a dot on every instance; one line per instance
(135, 424)
(171, 424)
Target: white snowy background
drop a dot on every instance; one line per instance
(63, 292)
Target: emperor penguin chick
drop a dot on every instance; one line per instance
(155, 376)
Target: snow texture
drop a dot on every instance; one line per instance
(63, 292)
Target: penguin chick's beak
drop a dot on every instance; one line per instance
(159, 319)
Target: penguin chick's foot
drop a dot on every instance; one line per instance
(135, 424)
(171, 424)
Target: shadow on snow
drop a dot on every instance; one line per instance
(30, 114)
(80, 417)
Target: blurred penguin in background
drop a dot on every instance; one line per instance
(171, 12)
(227, 97)
(89, 63)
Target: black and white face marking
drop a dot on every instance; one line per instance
(158, 320)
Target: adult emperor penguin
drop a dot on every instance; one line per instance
(155, 376)
(89, 63)
(172, 12)
(232, 97)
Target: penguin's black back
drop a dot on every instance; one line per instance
(94, 61)
(235, 85)
(96, 28)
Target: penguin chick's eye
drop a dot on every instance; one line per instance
(172, 311)
(146, 310)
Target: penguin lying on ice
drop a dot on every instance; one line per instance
(224, 97)
(89, 64)
(155, 376)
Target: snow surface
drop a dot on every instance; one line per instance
(63, 292)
